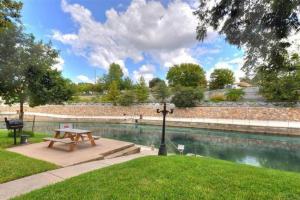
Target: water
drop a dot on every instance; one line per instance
(278, 152)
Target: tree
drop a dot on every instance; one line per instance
(187, 97)
(85, 88)
(280, 79)
(26, 72)
(113, 93)
(10, 12)
(126, 84)
(187, 75)
(141, 91)
(154, 82)
(161, 91)
(126, 98)
(258, 26)
(220, 77)
(114, 74)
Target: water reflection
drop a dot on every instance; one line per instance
(278, 152)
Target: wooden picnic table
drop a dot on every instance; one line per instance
(72, 137)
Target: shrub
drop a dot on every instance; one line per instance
(187, 97)
(217, 97)
(127, 98)
(96, 99)
(234, 94)
(11, 133)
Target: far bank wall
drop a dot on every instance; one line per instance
(251, 113)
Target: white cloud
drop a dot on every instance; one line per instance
(59, 65)
(170, 58)
(84, 79)
(166, 34)
(147, 71)
(234, 64)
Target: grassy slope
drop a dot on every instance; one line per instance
(176, 177)
(13, 165)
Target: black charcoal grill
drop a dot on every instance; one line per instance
(14, 124)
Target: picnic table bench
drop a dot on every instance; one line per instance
(72, 137)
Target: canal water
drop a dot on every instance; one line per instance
(277, 152)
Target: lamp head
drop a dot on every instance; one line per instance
(171, 107)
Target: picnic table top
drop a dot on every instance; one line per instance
(72, 130)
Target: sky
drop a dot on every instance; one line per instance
(146, 37)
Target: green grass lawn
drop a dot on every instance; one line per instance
(175, 177)
(13, 165)
(6, 142)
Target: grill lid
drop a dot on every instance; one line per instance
(13, 123)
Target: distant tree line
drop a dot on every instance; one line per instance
(186, 84)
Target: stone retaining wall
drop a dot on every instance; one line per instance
(251, 113)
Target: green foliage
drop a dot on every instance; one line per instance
(113, 93)
(26, 68)
(49, 88)
(186, 75)
(10, 12)
(217, 97)
(161, 91)
(126, 98)
(186, 178)
(234, 94)
(280, 79)
(141, 91)
(154, 82)
(96, 99)
(115, 74)
(127, 84)
(220, 77)
(85, 88)
(187, 97)
(258, 27)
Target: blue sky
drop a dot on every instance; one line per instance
(144, 37)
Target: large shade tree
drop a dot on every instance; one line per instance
(26, 73)
(259, 26)
(187, 75)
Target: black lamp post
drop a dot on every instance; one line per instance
(163, 149)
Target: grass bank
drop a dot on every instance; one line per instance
(13, 165)
(6, 142)
(175, 177)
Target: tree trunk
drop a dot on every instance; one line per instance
(21, 113)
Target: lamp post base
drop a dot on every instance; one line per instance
(162, 150)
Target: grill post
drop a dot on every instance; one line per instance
(14, 125)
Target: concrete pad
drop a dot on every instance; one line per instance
(60, 155)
